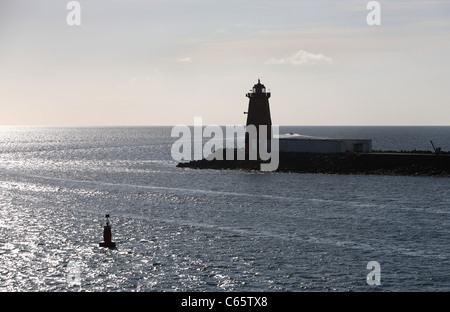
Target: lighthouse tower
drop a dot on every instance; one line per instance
(259, 112)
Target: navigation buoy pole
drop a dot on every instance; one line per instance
(107, 235)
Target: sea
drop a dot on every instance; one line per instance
(190, 230)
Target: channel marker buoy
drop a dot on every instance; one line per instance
(107, 235)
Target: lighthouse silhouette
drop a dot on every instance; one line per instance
(258, 114)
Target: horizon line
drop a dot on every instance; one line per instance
(143, 126)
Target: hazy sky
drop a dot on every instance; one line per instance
(164, 62)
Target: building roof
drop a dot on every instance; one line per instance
(300, 137)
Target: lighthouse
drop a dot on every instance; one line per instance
(258, 114)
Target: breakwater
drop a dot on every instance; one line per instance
(383, 163)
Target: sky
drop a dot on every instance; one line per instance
(164, 62)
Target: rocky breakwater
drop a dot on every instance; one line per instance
(382, 163)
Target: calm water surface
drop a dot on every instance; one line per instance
(204, 230)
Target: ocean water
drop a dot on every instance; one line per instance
(179, 229)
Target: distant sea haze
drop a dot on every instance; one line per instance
(179, 229)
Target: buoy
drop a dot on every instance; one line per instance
(107, 235)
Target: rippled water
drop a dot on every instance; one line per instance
(204, 230)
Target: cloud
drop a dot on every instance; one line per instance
(302, 58)
(185, 60)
